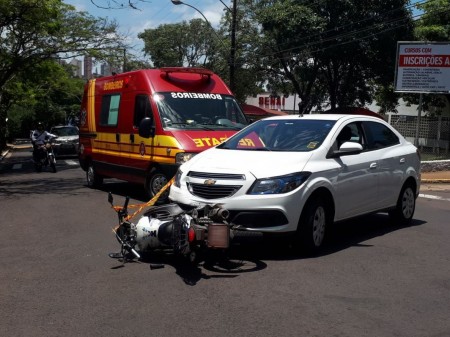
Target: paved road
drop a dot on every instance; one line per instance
(374, 279)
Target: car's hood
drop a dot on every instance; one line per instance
(259, 163)
(67, 138)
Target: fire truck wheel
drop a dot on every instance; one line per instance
(155, 182)
(93, 179)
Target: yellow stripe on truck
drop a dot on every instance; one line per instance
(91, 105)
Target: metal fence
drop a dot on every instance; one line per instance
(431, 136)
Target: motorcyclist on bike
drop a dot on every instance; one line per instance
(38, 138)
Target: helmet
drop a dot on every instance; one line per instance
(40, 126)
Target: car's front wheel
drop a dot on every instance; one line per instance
(406, 205)
(314, 221)
(93, 179)
(155, 182)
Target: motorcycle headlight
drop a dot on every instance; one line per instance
(183, 157)
(279, 185)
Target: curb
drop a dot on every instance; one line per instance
(4, 153)
(435, 181)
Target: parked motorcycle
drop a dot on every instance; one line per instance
(169, 227)
(44, 156)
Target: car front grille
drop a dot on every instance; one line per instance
(213, 191)
(222, 176)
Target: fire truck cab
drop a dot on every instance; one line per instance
(140, 126)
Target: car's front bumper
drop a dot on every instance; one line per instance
(276, 213)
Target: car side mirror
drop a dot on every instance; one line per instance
(146, 128)
(346, 149)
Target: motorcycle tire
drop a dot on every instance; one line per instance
(38, 167)
(53, 165)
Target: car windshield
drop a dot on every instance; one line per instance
(65, 131)
(300, 135)
(199, 111)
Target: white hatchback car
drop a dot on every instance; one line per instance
(300, 174)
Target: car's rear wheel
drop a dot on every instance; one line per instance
(406, 205)
(314, 221)
(93, 179)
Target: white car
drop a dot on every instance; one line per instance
(300, 174)
(67, 142)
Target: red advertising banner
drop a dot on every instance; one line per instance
(423, 67)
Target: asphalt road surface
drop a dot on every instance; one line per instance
(56, 279)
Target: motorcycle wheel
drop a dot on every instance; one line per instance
(38, 167)
(53, 164)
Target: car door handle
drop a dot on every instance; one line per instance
(132, 137)
(402, 160)
(117, 137)
(373, 166)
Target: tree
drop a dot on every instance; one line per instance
(433, 25)
(332, 52)
(47, 93)
(181, 44)
(248, 77)
(34, 31)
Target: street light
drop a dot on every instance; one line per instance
(233, 34)
(179, 2)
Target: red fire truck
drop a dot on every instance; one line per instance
(140, 126)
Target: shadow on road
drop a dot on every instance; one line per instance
(248, 257)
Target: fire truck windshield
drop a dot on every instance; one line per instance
(200, 111)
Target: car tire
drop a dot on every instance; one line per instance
(314, 221)
(155, 181)
(93, 179)
(406, 205)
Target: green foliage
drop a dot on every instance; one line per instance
(47, 93)
(332, 51)
(434, 24)
(182, 44)
(35, 31)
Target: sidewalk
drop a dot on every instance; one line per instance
(5, 151)
(436, 177)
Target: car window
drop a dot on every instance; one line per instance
(65, 131)
(379, 136)
(281, 135)
(142, 109)
(109, 114)
(351, 132)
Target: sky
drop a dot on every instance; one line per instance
(151, 14)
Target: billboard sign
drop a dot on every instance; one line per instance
(423, 67)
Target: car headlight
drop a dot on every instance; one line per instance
(278, 185)
(183, 157)
(178, 178)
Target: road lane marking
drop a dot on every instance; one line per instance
(434, 197)
(71, 162)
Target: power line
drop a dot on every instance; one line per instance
(350, 35)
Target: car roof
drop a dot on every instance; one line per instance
(332, 117)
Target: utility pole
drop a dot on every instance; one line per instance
(233, 46)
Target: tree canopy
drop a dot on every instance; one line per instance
(35, 31)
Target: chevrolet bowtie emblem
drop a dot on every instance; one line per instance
(209, 182)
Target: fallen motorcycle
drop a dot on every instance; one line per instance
(170, 228)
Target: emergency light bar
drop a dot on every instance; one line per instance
(200, 71)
